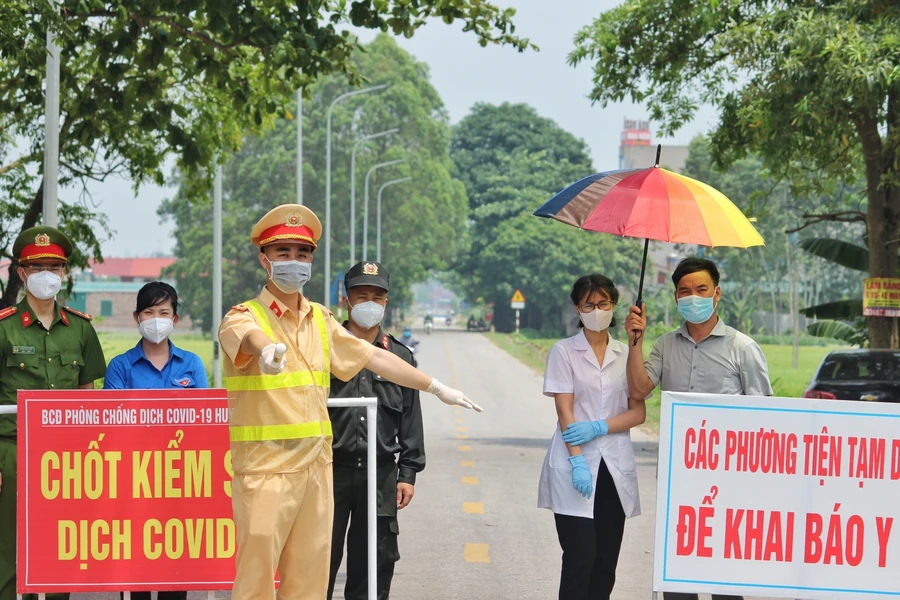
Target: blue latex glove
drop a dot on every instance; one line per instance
(581, 432)
(581, 476)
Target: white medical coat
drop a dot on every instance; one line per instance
(601, 392)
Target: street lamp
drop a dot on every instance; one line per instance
(217, 276)
(366, 206)
(300, 146)
(325, 298)
(378, 213)
(358, 143)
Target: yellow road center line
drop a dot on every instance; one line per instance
(459, 420)
(456, 411)
(464, 448)
(473, 508)
(478, 553)
(470, 480)
(461, 429)
(462, 437)
(467, 463)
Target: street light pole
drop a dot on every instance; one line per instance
(300, 146)
(378, 214)
(217, 276)
(366, 205)
(327, 278)
(51, 130)
(358, 143)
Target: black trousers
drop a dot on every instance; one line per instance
(591, 546)
(350, 509)
(687, 596)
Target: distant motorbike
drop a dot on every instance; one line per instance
(428, 327)
(449, 321)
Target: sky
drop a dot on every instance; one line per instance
(463, 73)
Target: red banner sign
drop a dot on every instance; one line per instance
(124, 490)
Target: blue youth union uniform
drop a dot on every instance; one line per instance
(132, 371)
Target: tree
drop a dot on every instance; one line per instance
(812, 88)
(144, 80)
(512, 161)
(423, 220)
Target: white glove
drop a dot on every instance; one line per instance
(267, 362)
(448, 395)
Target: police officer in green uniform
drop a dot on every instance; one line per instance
(43, 346)
(400, 446)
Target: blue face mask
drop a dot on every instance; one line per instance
(696, 309)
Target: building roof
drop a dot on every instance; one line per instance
(144, 268)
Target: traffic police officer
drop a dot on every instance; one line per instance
(42, 346)
(399, 432)
(280, 431)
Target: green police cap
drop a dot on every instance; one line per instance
(42, 243)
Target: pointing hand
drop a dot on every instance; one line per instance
(448, 395)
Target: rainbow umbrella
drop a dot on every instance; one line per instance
(654, 204)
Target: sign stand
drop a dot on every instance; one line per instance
(517, 303)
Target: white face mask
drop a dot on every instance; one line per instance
(44, 285)
(367, 314)
(290, 275)
(597, 320)
(157, 329)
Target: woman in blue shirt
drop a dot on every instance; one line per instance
(156, 363)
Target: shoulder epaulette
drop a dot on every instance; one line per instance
(240, 308)
(78, 313)
(6, 312)
(398, 344)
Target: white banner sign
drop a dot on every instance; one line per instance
(778, 497)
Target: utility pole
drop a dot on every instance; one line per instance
(51, 130)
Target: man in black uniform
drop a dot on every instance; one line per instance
(399, 432)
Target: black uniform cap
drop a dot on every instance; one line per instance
(367, 273)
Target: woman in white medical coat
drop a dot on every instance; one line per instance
(589, 479)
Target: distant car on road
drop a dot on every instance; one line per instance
(868, 375)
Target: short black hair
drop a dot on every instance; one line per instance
(588, 284)
(695, 265)
(156, 293)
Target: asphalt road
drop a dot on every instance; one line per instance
(473, 530)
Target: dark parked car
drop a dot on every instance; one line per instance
(870, 375)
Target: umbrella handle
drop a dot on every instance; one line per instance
(640, 296)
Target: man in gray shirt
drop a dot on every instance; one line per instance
(704, 355)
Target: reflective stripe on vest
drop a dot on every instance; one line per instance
(256, 383)
(278, 381)
(263, 433)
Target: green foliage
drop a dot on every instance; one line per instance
(841, 309)
(422, 219)
(145, 80)
(512, 161)
(811, 88)
(839, 330)
(839, 252)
